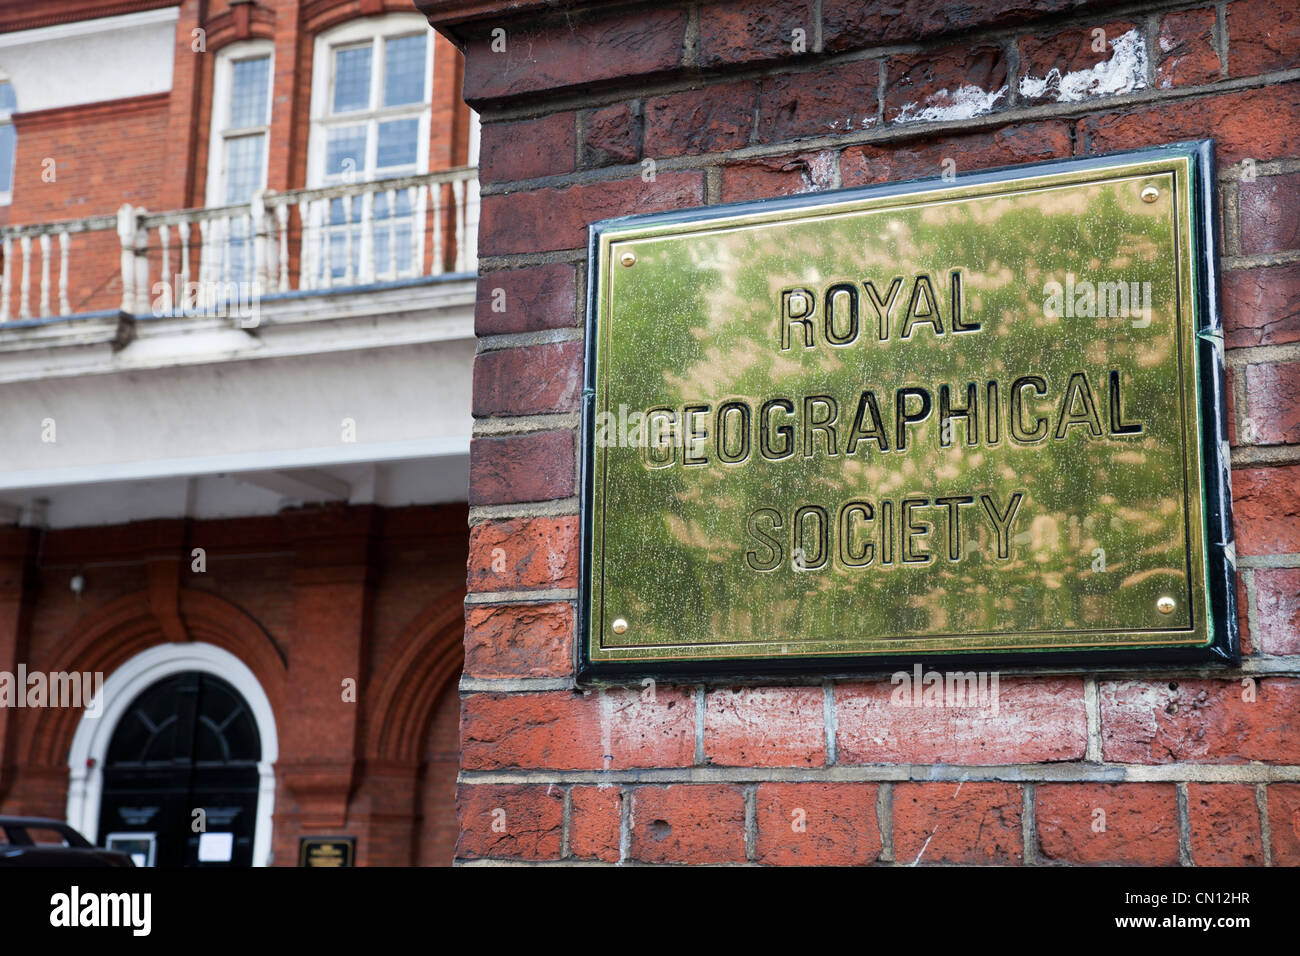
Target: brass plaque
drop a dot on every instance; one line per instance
(327, 851)
(977, 417)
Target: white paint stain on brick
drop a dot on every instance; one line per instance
(963, 103)
(819, 173)
(1124, 72)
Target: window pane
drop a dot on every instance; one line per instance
(404, 70)
(8, 142)
(243, 167)
(345, 151)
(351, 79)
(8, 102)
(249, 86)
(399, 142)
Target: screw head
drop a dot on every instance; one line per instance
(1166, 605)
(619, 625)
(628, 259)
(1150, 194)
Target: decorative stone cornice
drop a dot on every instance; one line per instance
(455, 19)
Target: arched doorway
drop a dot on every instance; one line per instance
(183, 759)
(181, 727)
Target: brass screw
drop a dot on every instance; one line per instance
(628, 259)
(620, 625)
(1150, 194)
(1166, 605)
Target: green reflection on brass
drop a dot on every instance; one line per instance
(1067, 531)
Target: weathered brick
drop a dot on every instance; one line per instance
(1248, 643)
(747, 31)
(1284, 823)
(1263, 35)
(1035, 720)
(550, 219)
(530, 380)
(1252, 124)
(688, 823)
(527, 149)
(770, 176)
(1064, 66)
(503, 821)
(520, 468)
(706, 120)
(569, 731)
(528, 300)
(817, 824)
(1269, 212)
(837, 99)
(765, 727)
(1277, 591)
(524, 554)
(1273, 402)
(612, 135)
(1223, 825)
(856, 24)
(576, 52)
(1008, 146)
(595, 820)
(966, 823)
(1108, 824)
(1262, 306)
(1185, 53)
(1208, 721)
(1266, 510)
(952, 83)
(519, 640)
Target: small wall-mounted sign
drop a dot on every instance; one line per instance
(327, 851)
(978, 418)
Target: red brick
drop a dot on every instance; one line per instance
(1200, 720)
(528, 300)
(765, 727)
(1036, 720)
(1140, 823)
(1266, 510)
(1230, 402)
(569, 731)
(520, 468)
(577, 51)
(1008, 146)
(531, 380)
(817, 824)
(776, 176)
(1284, 823)
(1243, 618)
(837, 99)
(710, 119)
(1047, 59)
(966, 823)
(746, 31)
(688, 823)
(1253, 124)
(855, 24)
(533, 824)
(1273, 402)
(1269, 209)
(612, 135)
(550, 219)
(534, 553)
(931, 80)
(519, 640)
(595, 820)
(1223, 825)
(1185, 49)
(1262, 306)
(1277, 591)
(527, 149)
(1263, 36)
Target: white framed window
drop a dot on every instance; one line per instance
(241, 122)
(372, 86)
(8, 141)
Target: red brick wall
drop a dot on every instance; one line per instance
(1184, 765)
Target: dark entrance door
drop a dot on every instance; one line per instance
(187, 743)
